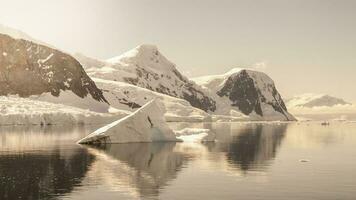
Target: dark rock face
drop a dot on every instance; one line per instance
(28, 69)
(243, 92)
(204, 103)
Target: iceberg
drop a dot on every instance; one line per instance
(146, 124)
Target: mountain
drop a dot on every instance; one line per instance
(315, 100)
(28, 69)
(248, 92)
(146, 67)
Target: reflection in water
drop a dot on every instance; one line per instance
(45, 163)
(31, 138)
(145, 167)
(41, 162)
(254, 145)
(41, 176)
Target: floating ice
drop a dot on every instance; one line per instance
(195, 135)
(146, 124)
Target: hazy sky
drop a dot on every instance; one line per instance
(304, 45)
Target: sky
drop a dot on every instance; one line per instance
(303, 45)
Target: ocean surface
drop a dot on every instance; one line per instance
(273, 161)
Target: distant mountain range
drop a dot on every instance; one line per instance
(310, 100)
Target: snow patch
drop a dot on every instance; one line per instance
(69, 98)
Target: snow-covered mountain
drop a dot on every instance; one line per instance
(146, 67)
(245, 91)
(310, 100)
(28, 69)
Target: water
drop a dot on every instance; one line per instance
(250, 161)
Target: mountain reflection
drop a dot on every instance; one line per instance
(248, 146)
(41, 176)
(141, 169)
(252, 146)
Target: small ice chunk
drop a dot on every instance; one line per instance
(195, 135)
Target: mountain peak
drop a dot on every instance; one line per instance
(144, 56)
(233, 71)
(146, 47)
(143, 50)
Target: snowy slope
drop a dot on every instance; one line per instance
(24, 111)
(314, 100)
(246, 92)
(129, 97)
(146, 124)
(27, 69)
(146, 67)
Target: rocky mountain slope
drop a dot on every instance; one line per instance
(146, 67)
(249, 92)
(28, 69)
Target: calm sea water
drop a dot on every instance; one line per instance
(250, 161)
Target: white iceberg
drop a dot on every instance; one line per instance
(195, 135)
(146, 124)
